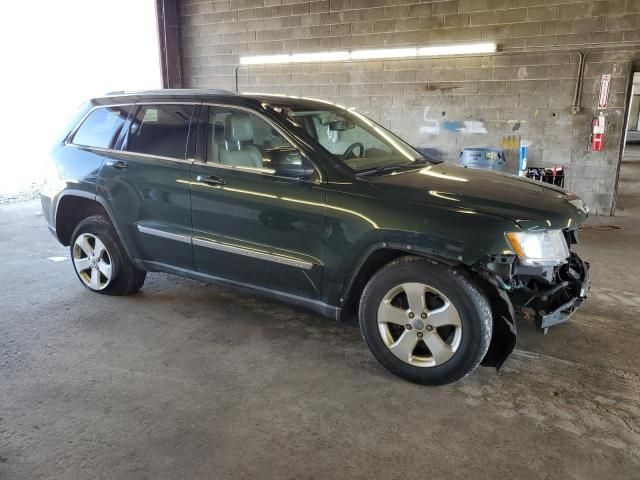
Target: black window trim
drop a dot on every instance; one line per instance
(257, 171)
(69, 140)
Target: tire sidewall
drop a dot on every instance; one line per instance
(443, 280)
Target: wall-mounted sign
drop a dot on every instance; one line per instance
(603, 98)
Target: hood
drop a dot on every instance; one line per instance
(531, 204)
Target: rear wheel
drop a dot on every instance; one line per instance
(426, 323)
(100, 261)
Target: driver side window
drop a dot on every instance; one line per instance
(243, 140)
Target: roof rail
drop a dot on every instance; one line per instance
(172, 91)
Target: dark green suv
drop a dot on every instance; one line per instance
(315, 204)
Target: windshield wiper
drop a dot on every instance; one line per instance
(385, 169)
(390, 168)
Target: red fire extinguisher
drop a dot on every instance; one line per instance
(598, 125)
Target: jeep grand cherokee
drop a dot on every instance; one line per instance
(317, 205)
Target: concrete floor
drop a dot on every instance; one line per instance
(187, 380)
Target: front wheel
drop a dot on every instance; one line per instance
(424, 322)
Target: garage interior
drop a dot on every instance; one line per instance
(193, 380)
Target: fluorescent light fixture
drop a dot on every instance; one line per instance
(461, 49)
(319, 57)
(265, 59)
(384, 53)
(370, 54)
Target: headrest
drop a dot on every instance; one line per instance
(238, 127)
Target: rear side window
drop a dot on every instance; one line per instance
(101, 127)
(160, 130)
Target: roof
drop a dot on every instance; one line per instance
(187, 94)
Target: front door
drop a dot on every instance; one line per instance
(146, 181)
(253, 222)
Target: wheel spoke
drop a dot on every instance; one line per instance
(439, 349)
(105, 268)
(444, 316)
(95, 279)
(404, 346)
(387, 313)
(415, 296)
(99, 247)
(82, 264)
(83, 243)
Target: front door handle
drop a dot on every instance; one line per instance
(210, 180)
(119, 164)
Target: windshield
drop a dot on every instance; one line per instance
(353, 139)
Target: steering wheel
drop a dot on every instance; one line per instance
(349, 151)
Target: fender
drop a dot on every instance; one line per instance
(128, 247)
(403, 248)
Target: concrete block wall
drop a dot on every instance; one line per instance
(523, 92)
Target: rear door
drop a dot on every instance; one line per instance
(251, 224)
(146, 182)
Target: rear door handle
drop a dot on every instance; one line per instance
(119, 164)
(210, 180)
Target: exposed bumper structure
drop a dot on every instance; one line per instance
(548, 295)
(577, 288)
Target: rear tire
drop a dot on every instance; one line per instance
(425, 322)
(100, 261)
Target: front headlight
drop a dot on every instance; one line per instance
(539, 248)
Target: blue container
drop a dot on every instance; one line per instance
(480, 157)
(522, 165)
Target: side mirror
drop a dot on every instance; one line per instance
(289, 162)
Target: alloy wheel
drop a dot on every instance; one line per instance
(92, 261)
(419, 325)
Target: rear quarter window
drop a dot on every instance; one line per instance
(101, 127)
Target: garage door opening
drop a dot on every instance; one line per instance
(58, 58)
(628, 198)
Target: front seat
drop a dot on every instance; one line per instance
(238, 128)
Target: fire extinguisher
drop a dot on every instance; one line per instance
(598, 125)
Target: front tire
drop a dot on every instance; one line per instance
(425, 322)
(100, 261)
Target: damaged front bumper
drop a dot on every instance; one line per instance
(548, 295)
(577, 288)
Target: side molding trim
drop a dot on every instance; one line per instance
(163, 234)
(225, 247)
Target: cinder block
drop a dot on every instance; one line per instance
(484, 18)
(472, 5)
(319, 6)
(457, 20)
(591, 24)
(420, 10)
(526, 29)
(611, 7)
(512, 15)
(573, 11)
(549, 12)
(496, 32)
(446, 7)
